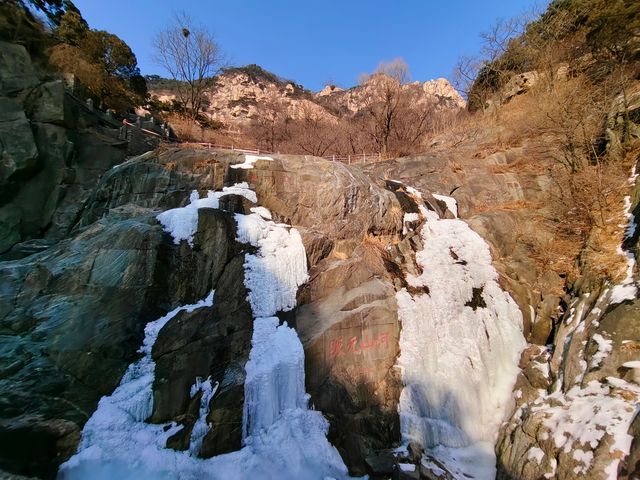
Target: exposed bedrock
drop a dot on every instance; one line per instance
(72, 316)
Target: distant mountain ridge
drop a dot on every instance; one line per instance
(240, 91)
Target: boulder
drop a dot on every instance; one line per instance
(16, 69)
(347, 321)
(46, 103)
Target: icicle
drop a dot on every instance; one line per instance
(200, 428)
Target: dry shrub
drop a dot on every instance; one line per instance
(550, 250)
(191, 132)
(375, 253)
(586, 210)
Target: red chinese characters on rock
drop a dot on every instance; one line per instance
(355, 345)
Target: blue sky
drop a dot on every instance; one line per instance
(315, 41)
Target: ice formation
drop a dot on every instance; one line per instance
(182, 222)
(282, 438)
(280, 266)
(460, 344)
(200, 428)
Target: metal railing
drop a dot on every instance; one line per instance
(348, 159)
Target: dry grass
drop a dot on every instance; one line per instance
(455, 167)
(512, 206)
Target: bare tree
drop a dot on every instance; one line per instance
(192, 57)
(501, 52)
(311, 134)
(270, 127)
(383, 100)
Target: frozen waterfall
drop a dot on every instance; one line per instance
(282, 438)
(460, 345)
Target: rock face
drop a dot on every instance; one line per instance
(54, 148)
(66, 342)
(72, 316)
(575, 400)
(498, 202)
(347, 318)
(574, 407)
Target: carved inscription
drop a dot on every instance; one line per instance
(359, 345)
(354, 345)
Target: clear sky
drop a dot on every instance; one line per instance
(312, 42)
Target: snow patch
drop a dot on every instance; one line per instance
(536, 454)
(407, 467)
(249, 160)
(583, 457)
(628, 289)
(582, 417)
(605, 346)
(452, 203)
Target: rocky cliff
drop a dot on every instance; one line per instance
(74, 314)
(54, 148)
(240, 93)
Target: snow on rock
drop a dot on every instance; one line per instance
(430, 465)
(249, 160)
(605, 346)
(201, 427)
(452, 204)
(580, 419)
(476, 461)
(585, 458)
(182, 222)
(282, 438)
(628, 289)
(407, 467)
(535, 454)
(460, 345)
(408, 219)
(263, 212)
(274, 274)
(116, 436)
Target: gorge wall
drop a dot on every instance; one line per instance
(91, 258)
